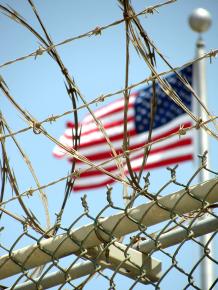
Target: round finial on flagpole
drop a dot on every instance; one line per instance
(200, 20)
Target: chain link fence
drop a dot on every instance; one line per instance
(74, 256)
(151, 241)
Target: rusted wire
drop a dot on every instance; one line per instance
(15, 210)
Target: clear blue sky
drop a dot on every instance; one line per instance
(97, 64)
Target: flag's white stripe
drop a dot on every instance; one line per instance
(172, 153)
(107, 163)
(160, 156)
(131, 125)
(116, 130)
(108, 108)
(176, 153)
(97, 135)
(137, 139)
(105, 121)
(117, 116)
(157, 146)
(135, 153)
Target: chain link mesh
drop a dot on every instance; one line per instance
(94, 248)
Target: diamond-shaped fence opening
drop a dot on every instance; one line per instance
(155, 230)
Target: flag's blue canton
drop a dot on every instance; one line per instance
(166, 110)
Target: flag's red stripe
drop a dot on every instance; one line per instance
(110, 112)
(58, 156)
(130, 134)
(162, 163)
(103, 141)
(70, 125)
(180, 143)
(106, 126)
(108, 154)
(166, 162)
(120, 137)
(115, 110)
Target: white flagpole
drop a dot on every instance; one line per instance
(200, 21)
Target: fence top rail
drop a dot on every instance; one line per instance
(91, 235)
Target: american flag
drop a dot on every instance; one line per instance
(169, 117)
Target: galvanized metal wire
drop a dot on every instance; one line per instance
(94, 247)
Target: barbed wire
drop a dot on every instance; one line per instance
(181, 132)
(108, 240)
(103, 97)
(96, 31)
(133, 241)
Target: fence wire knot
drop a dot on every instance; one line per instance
(124, 232)
(97, 30)
(36, 127)
(39, 51)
